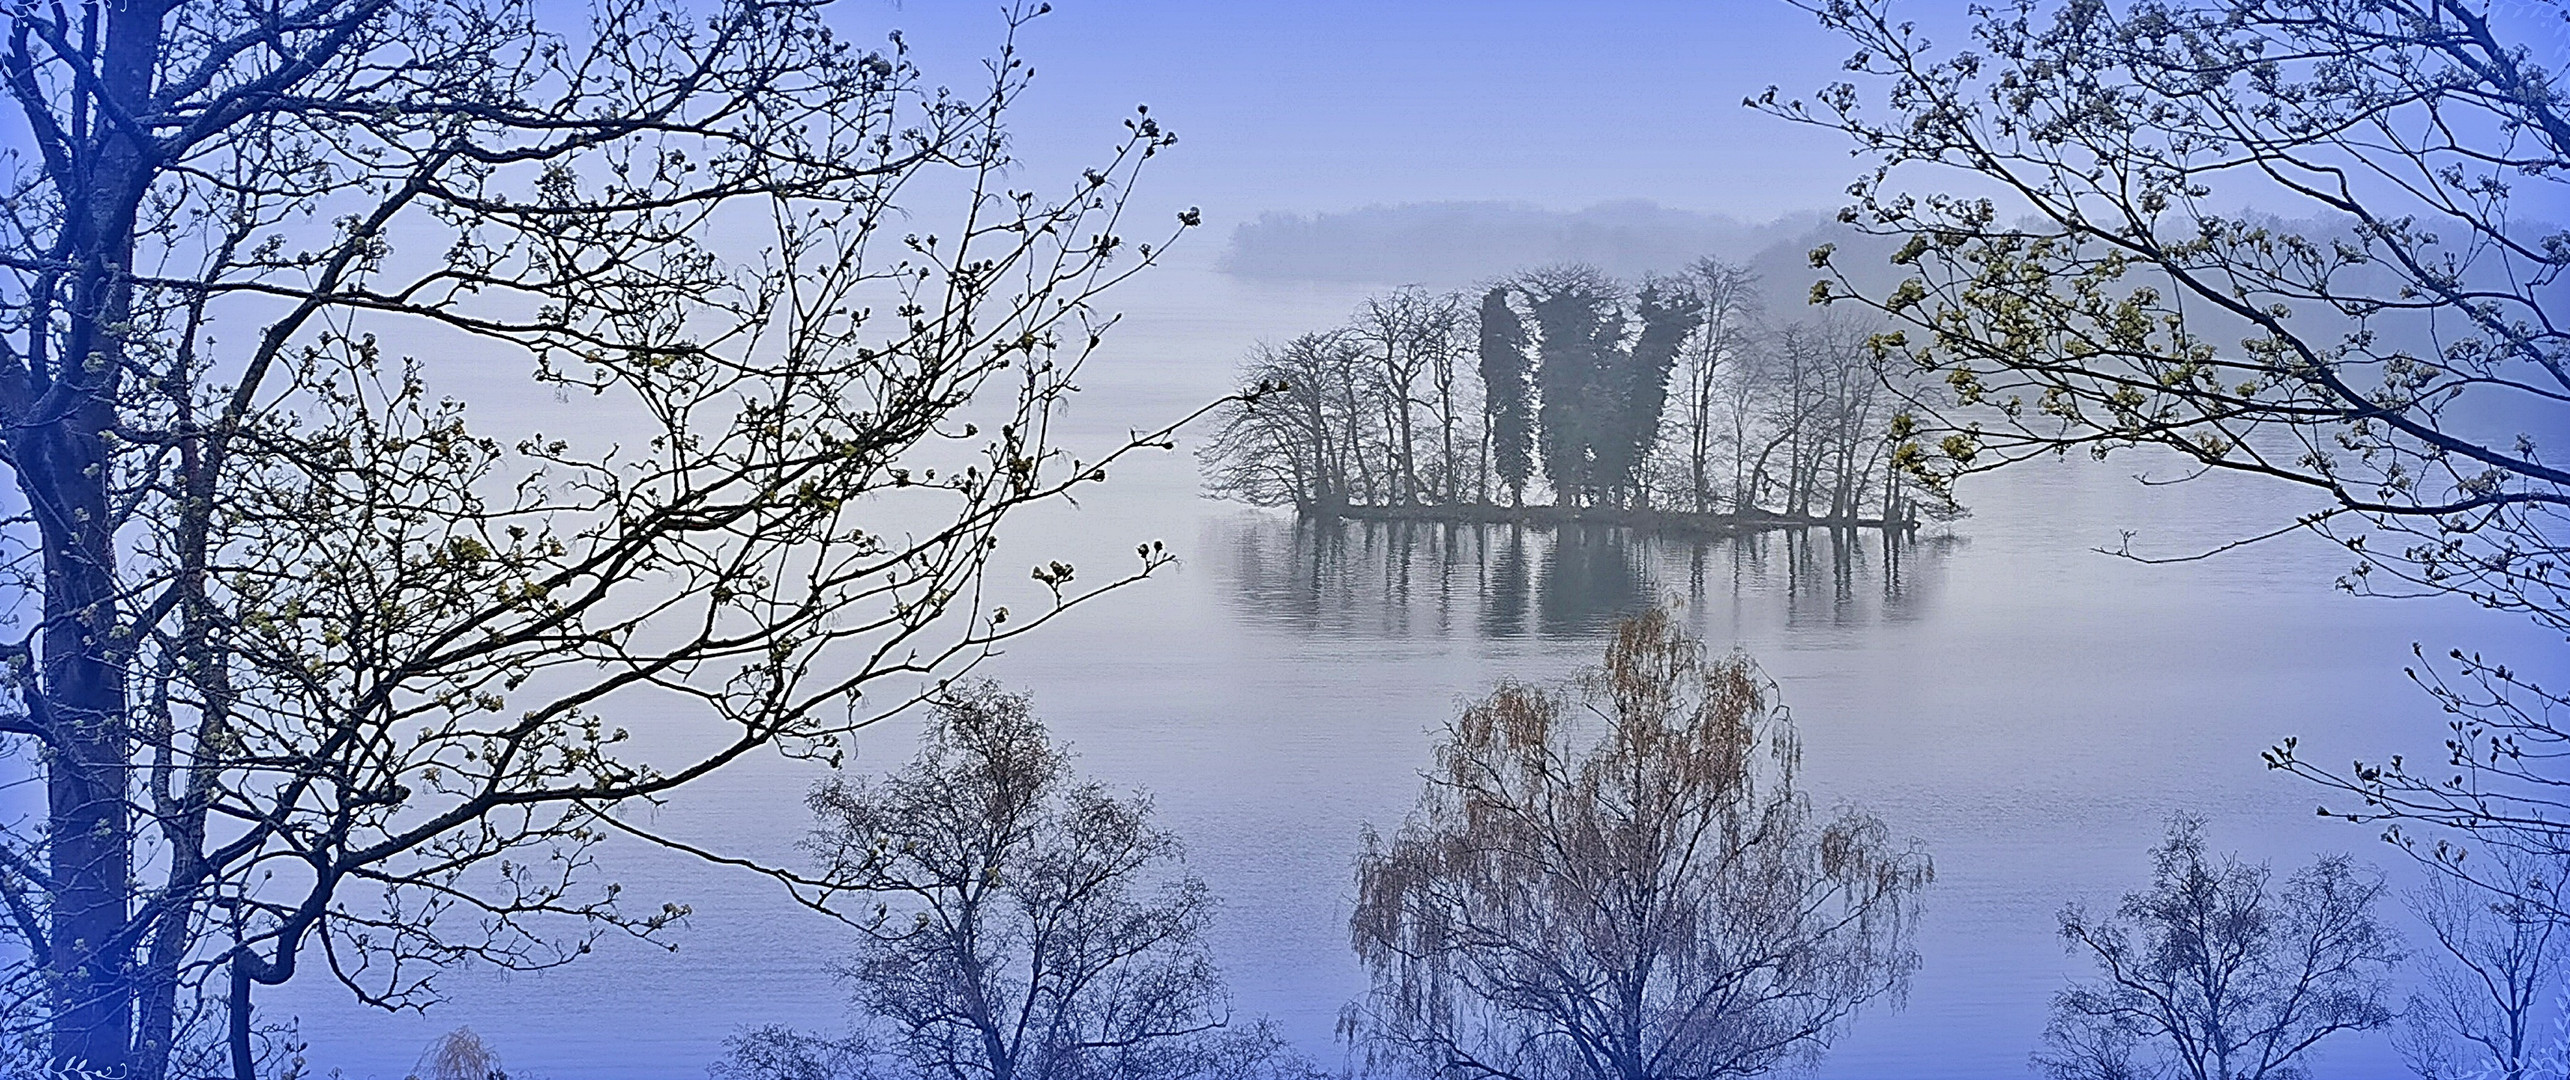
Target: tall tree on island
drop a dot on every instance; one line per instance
(1579, 330)
(1728, 296)
(1507, 393)
(1602, 396)
(1401, 335)
(1669, 313)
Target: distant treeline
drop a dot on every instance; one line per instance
(1565, 385)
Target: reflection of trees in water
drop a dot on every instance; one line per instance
(1503, 610)
(1591, 577)
(1823, 575)
(1353, 576)
(1401, 579)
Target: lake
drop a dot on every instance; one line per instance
(2028, 708)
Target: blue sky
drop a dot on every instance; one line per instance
(1331, 104)
(1323, 105)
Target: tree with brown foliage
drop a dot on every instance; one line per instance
(1623, 880)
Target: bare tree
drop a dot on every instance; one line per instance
(1330, 420)
(1292, 436)
(326, 671)
(1855, 433)
(1743, 387)
(1731, 310)
(1020, 924)
(1623, 880)
(1408, 335)
(1447, 338)
(1829, 411)
(2210, 974)
(2495, 968)
(777, 1052)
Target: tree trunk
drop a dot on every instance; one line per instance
(1446, 440)
(88, 830)
(245, 1064)
(59, 450)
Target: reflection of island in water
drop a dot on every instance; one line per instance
(1407, 578)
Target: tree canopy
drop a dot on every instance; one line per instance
(2315, 241)
(2381, 329)
(1624, 880)
(2214, 973)
(1016, 922)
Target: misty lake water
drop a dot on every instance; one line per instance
(2027, 708)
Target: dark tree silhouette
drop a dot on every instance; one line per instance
(777, 1052)
(328, 672)
(1017, 923)
(1623, 880)
(1297, 434)
(1669, 313)
(1579, 335)
(2212, 974)
(1409, 336)
(1602, 394)
(1508, 392)
(2494, 973)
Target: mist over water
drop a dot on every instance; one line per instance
(2029, 709)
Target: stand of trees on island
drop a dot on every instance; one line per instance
(1671, 401)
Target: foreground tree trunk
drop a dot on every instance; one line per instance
(59, 418)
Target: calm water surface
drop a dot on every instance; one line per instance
(2029, 709)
